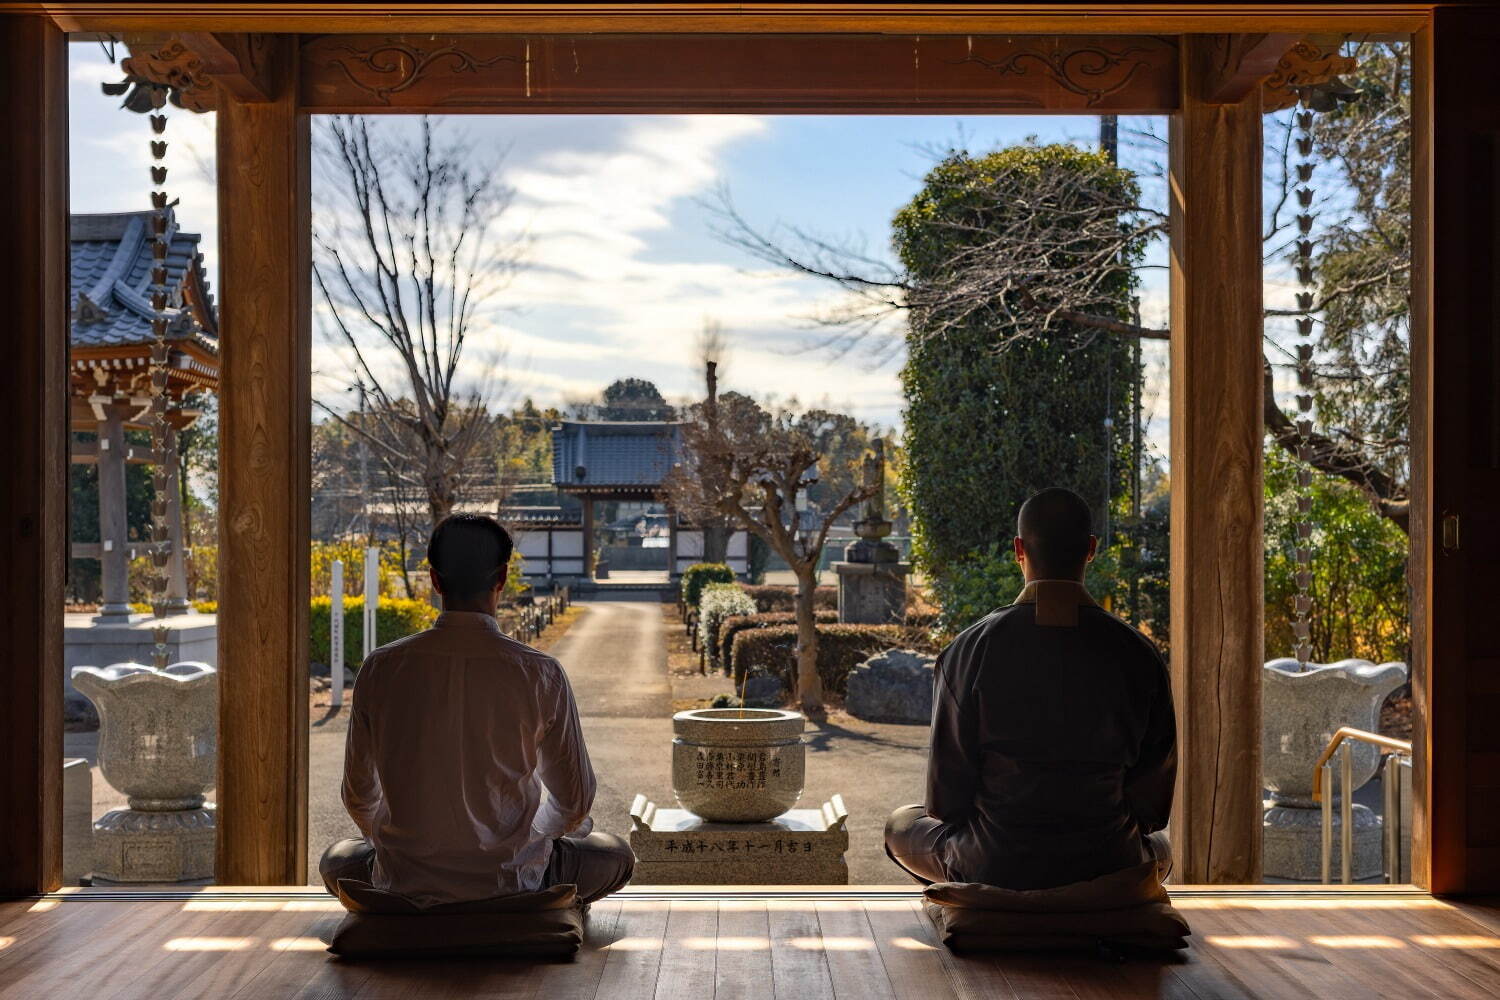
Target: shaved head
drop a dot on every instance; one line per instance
(1056, 529)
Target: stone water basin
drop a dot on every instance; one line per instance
(738, 765)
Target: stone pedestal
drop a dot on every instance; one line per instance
(78, 820)
(872, 583)
(157, 745)
(1292, 844)
(131, 845)
(799, 847)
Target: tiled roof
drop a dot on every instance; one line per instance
(111, 272)
(604, 453)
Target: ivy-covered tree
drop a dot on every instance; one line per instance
(1004, 397)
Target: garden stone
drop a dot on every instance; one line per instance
(764, 691)
(894, 686)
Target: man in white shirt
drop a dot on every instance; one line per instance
(465, 767)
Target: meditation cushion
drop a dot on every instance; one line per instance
(543, 924)
(1128, 908)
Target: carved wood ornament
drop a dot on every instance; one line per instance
(1305, 65)
(174, 65)
(1093, 72)
(753, 73)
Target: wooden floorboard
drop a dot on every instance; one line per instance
(248, 945)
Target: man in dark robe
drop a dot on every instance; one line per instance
(1053, 735)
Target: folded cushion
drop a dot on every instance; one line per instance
(543, 924)
(1128, 908)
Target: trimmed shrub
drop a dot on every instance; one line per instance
(773, 650)
(732, 626)
(772, 597)
(395, 618)
(699, 575)
(719, 601)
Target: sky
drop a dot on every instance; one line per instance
(622, 267)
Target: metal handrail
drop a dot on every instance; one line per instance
(1391, 749)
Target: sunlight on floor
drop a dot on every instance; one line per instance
(207, 944)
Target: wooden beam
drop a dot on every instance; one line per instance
(1217, 598)
(911, 17)
(264, 406)
(1456, 428)
(1244, 62)
(33, 506)
(1087, 74)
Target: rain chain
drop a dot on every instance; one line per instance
(161, 498)
(1305, 345)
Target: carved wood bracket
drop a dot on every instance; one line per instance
(195, 65)
(1306, 64)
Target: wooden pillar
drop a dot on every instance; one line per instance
(588, 537)
(34, 395)
(1217, 598)
(114, 526)
(264, 416)
(1455, 434)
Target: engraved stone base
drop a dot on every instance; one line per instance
(1292, 844)
(799, 847)
(872, 593)
(135, 846)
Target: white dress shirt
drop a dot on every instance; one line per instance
(465, 759)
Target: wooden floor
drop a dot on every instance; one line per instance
(801, 946)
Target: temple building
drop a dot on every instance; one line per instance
(110, 380)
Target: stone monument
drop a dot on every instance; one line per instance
(872, 577)
(737, 773)
(158, 745)
(1301, 711)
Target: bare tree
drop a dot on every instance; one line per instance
(404, 258)
(752, 466)
(1054, 267)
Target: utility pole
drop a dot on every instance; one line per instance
(364, 468)
(1109, 137)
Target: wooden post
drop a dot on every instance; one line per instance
(1455, 435)
(264, 416)
(1217, 597)
(588, 537)
(114, 548)
(175, 600)
(34, 390)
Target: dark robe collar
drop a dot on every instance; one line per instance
(1057, 601)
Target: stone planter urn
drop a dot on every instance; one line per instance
(738, 765)
(158, 745)
(1301, 710)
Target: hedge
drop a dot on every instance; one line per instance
(699, 575)
(771, 597)
(723, 649)
(719, 601)
(395, 618)
(773, 650)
